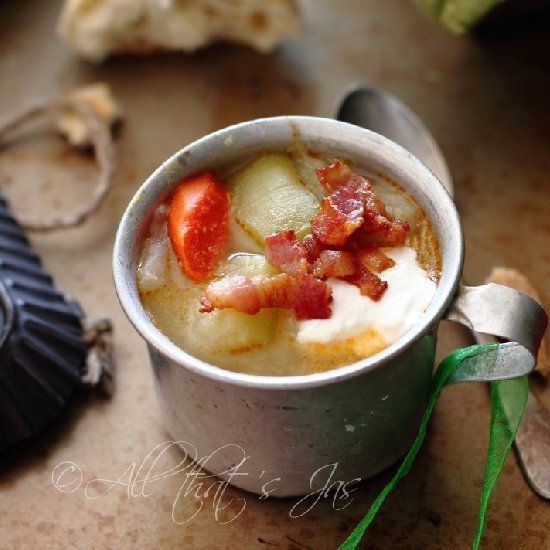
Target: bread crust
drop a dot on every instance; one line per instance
(96, 29)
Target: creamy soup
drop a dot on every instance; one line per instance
(313, 266)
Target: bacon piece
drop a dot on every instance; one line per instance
(378, 220)
(334, 263)
(235, 291)
(352, 215)
(368, 282)
(394, 235)
(374, 259)
(379, 227)
(336, 175)
(339, 218)
(340, 214)
(312, 247)
(307, 296)
(311, 299)
(285, 252)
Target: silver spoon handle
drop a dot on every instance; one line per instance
(533, 446)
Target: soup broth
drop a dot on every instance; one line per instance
(282, 192)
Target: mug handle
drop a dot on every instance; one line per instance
(496, 311)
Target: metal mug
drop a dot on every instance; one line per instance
(289, 435)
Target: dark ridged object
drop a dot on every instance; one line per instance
(42, 351)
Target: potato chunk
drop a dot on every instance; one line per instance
(228, 330)
(267, 195)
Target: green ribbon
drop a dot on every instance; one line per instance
(508, 401)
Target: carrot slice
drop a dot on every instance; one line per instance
(198, 224)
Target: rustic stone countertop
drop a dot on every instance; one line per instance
(486, 99)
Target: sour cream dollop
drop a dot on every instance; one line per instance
(409, 293)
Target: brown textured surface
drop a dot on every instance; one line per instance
(486, 100)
